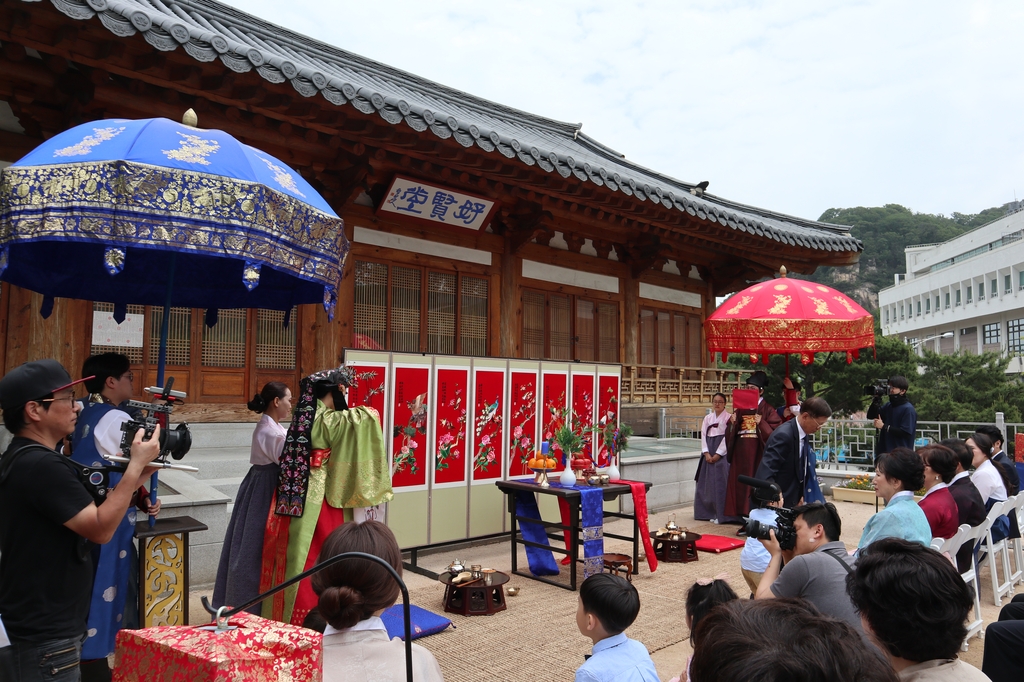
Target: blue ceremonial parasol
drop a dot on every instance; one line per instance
(154, 212)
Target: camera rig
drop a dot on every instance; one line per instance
(174, 442)
(765, 492)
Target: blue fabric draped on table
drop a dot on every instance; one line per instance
(542, 562)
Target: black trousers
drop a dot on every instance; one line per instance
(1004, 644)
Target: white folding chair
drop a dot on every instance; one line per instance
(966, 535)
(998, 554)
(1016, 545)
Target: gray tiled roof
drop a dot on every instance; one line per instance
(208, 30)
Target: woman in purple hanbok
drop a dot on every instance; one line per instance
(713, 469)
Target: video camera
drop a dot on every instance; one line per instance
(765, 492)
(174, 442)
(878, 389)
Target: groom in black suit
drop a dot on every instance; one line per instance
(788, 455)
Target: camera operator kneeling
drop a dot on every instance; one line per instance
(816, 567)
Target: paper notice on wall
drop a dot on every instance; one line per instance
(107, 332)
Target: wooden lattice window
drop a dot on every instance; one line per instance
(417, 310)
(224, 342)
(564, 327)
(275, 343)
(134, 353)
(442, 303)
(370, 315)
(669, 339)
(405, 308)
(607, 332)
(473, 316)
(179, 337)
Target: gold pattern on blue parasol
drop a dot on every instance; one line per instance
(82, 148)
(193, 149)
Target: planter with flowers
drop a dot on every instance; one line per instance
(860, 489)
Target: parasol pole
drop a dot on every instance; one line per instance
(165, 331)
(787, 365)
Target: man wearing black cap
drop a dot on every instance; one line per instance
(745, 439)
(48, 518)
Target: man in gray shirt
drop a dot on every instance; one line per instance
(816, 568)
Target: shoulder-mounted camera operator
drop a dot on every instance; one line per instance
(896, 421)
(48, 520)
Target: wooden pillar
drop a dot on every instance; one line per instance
(631, 320)
(511, 312)
(709, 307)
(65, 336)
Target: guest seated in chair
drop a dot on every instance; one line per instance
(914, 605)
(970, 507)
(352, 596)
(897, 475)
(938, 504)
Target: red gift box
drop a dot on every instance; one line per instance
(257, 650)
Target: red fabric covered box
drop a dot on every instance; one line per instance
(258, 650)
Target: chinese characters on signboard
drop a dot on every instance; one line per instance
(416, 199)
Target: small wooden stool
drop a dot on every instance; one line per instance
(683, 550)
(474, 598)
(616, 563)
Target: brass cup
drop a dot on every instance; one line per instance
(511, 591)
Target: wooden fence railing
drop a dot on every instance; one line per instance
(657, 384)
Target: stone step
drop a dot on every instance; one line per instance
(226, 486)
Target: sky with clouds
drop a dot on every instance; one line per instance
(796, 106)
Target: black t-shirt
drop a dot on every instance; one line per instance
(46, 570)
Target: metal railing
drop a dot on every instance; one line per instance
(659, 384)
(846, 443)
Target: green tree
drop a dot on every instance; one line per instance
(966, 387)
(885, 232)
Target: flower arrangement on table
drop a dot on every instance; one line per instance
(572, 437)
(615, 438)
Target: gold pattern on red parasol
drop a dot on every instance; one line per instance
(789, 316)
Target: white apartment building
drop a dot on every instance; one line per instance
(965, 294)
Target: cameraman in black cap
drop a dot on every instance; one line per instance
(896, 421)
(48, 518)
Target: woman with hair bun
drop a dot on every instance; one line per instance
(352, 595)
(238, 574)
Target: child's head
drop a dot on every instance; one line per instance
(703, 596)
(608, 605)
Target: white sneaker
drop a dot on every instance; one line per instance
(714, 521)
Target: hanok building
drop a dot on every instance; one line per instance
(476, 229)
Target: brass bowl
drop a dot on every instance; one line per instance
(511, 591)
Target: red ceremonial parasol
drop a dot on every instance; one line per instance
(789, 316)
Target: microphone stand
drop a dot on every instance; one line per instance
(222, 614)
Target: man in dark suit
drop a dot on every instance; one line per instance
(970, 506)
(788, 456)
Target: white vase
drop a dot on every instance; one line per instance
(568, 477)
(613, 472)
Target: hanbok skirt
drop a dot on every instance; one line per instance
(238, 574)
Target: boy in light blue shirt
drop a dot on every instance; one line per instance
(608, 604)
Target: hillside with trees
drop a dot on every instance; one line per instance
(885, 232)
